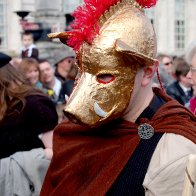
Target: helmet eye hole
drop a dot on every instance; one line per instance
(105, 78)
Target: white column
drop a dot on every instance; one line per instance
(70, 6)
(13, 26)
(165, 26)
(50, 14)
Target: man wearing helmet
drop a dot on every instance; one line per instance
(124, 139)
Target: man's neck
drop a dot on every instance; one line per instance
(138, 104)
(50, 84)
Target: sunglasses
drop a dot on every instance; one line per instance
(168, 63)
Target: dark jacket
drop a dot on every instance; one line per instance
(19, 131)
(176, 92)
(34, 53)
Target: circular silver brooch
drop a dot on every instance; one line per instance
(145, 131)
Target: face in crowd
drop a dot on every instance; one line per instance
(30, 69)
(65, 66)
(192, 73)
(167, 64)
(27, 40)
(46, 72)
(32, 74)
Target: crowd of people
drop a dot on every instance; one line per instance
(32, 96)
(127, 128)
(175, 78)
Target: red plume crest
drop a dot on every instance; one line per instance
(147, 3)
(85, 26)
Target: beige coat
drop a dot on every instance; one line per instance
(166, 172)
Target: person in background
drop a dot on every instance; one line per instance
(67, 89)
(28, 47)
(167, 63)
(64, 61)
(54, 86)
(69, 84)
(66, 70)
(193, 101)
(25, 113)
(191, 59)
(176, 61)
(27, 120)
(16, 61)
(181, 90)
(165, 70)
(30, 68)
(124, 138)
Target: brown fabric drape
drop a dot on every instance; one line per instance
(88, 161)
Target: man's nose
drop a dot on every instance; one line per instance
(189, 75)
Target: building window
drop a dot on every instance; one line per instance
(179, 25)
(3, 42)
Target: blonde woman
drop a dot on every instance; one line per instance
(29, 67)
(26, 114)
(27, 119)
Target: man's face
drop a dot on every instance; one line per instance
(27, 40)
(46, 72)
(167, 63)
(64, 66)
(192, 73)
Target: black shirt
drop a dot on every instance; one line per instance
(130, 180)
(19, 131)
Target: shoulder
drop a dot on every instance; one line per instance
(67, 87)
(41, 113)
(39, 104)
(166, 170)
(172, 87)
(172, 147)
(38, 99)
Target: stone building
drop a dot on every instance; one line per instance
(173, 20)
(49, 15)
(174, 23)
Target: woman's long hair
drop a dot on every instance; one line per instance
(9, 96)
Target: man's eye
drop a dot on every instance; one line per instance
(105, 78)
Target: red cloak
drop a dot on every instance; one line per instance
(88, 161)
